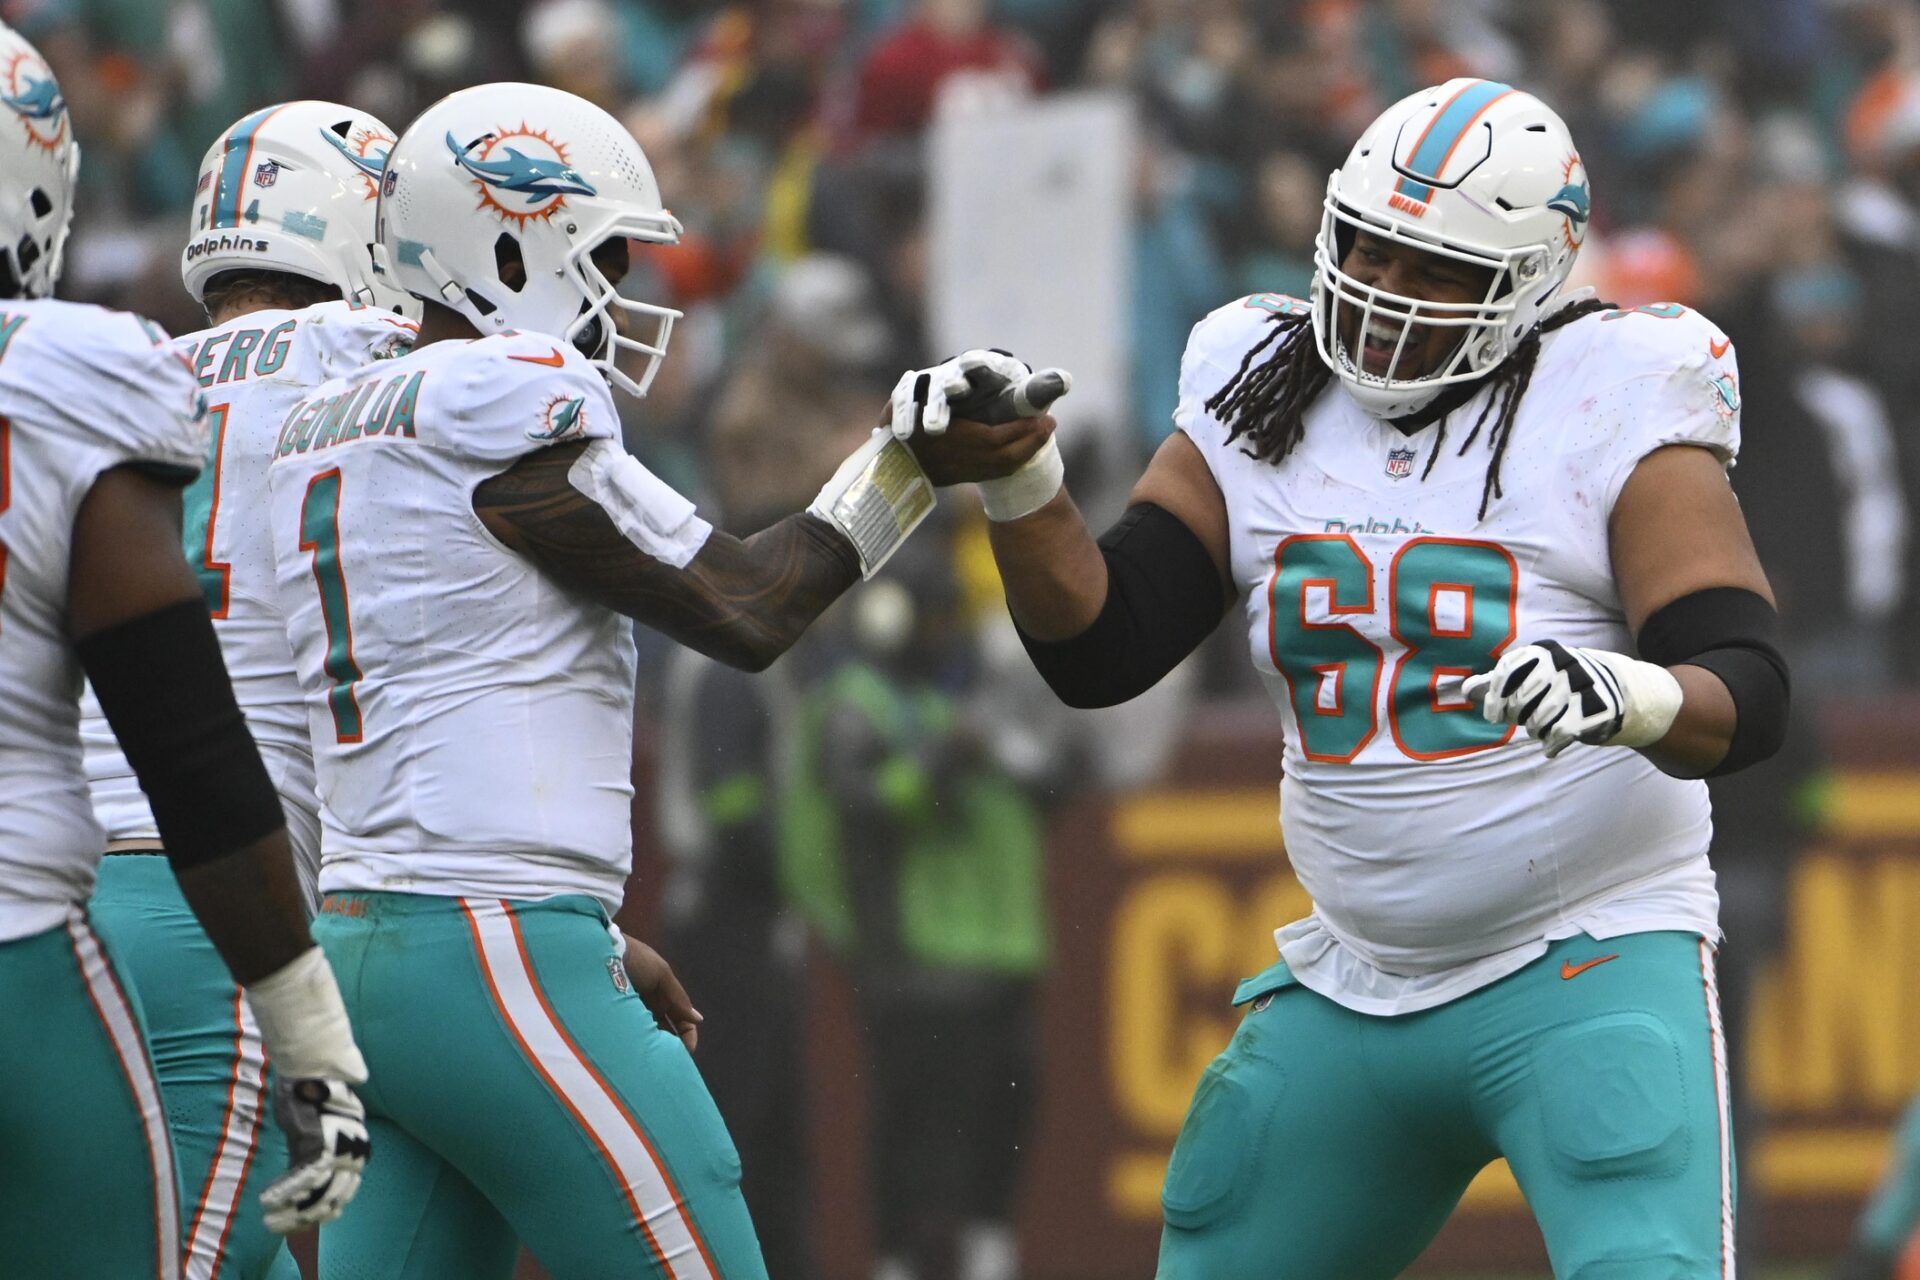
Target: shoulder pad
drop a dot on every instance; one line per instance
(111, 380)
(1225, 334)
(508, 395)
(1654, 338)
(347, 336)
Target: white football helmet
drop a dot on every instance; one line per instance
(39, 161)
(292, 188)
(502, 171)
(1472, 170)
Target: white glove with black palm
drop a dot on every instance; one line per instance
(303, 1027)
(991, 387)
(1562, 696)
(327, 1148)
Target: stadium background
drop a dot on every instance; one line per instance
(867, 184)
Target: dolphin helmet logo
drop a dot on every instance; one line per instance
(1571, 200)
(38, 100)
(360, 153)
(516, 184)
(28, 89)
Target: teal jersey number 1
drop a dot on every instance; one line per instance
(1451, 607)
(320, 537)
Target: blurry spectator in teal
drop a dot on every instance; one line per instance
(1178, 276)
(917, 861)
(1286, 198)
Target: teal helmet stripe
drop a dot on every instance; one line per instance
(233, 168)
(1435, 146)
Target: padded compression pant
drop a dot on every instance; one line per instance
(519, 1088)
(88, 1172)
(212, 1070)
(1326, 1144)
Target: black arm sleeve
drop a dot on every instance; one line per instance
(1733, 633)
(162, 683)
(1163, 598)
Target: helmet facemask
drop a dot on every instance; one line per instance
(608, 322)
(1485, 329)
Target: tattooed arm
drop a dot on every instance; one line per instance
(743, 603)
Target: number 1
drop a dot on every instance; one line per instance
(320, 535)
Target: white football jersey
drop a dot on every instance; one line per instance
(253, 369)
(1442, 852)
(472, 721)
(82, 390)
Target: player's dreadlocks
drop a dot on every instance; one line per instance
(1268, 404)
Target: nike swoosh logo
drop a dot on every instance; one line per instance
(1718, 348)
(553, 361)
(1568, 969)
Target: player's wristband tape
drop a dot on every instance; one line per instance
(1733, 633)
(303, 1023)
(1026, 490)
(876, 498)
(165, 691)
(1164, 596)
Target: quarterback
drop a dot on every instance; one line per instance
(279, 255)
(101, 424)
(1493, 575)
(461, 542)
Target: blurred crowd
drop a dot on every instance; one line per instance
(1756, 159)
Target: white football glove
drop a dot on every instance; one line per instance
(1561, 696)
(327, 1147)
(923, 398)
(303, 1027)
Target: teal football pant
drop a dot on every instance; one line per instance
(206, 1051)
(520, 1089)
(87, 1182)
(1326, 1144)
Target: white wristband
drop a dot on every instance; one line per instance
(1650, 697)
(1026, 490)
(303, 1024)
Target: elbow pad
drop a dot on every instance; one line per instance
(162, 683)
(1163, 598)
(1733, 633)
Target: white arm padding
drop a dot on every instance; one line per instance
(648, 511)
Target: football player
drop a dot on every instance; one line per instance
(462, 540)
(1495, 579)
(279, 255)
(101, 424)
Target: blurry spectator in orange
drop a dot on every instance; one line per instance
(902, 77)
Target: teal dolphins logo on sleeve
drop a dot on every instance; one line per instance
(563, 417)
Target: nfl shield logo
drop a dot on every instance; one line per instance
(1399, 463)
(267, 174)
(617, 972)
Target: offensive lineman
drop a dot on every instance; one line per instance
(1450, 505)
(279, 255)
(459, 533)
(100, 426)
